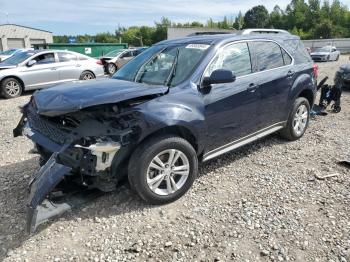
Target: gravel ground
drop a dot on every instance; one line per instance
(262, 202)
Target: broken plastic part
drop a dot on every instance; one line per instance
(104, 152)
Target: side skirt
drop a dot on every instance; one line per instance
(243, 141)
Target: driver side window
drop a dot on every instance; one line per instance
(47, 58)
(234, 57)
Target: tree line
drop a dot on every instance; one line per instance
(310, 19)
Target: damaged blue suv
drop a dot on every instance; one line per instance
(178, 103)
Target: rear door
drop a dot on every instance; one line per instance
(273, 68)
(231, 109)
(43, 73)
(69, 68)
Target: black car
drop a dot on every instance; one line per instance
(179, 103)
(343, 75)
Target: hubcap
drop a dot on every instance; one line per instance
(168, 172)
(12, 88)
(88, 76)
(300, 120)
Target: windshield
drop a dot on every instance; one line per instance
(114, 53)
(17, 58)
(160, 65)
(323, 49)
(8, 52)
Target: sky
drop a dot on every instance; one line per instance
(73, 17)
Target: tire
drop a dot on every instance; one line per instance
(11, 88)
(337, 58)
(141, 169)
(111, 68)
(291, 131)
(87, 75)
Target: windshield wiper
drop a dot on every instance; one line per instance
(173, 69)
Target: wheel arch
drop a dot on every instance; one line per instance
(177, 130)
(308, 94)
(15, 77)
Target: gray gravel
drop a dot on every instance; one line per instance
(262, 202)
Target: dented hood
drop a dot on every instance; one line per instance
(66, 98)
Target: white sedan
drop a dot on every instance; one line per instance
(326, 53)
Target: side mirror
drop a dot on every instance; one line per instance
(31, 63)
(219, 76)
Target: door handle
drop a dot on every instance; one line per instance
(54, 68)
(252, 87)
(290, 74)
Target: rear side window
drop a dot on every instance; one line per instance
(286, 58)
(82, 57)
(66, 57)
(235, 57)
(298, 50)
(267, 55)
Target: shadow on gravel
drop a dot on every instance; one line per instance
(14, 179)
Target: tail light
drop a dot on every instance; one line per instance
(99, 62)
(315, 67)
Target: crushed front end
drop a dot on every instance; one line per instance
(85, 148)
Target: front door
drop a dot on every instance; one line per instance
(43, 73)
(231, 108)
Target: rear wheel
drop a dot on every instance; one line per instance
(162, 169)
(298, 120)
(111, 68)
(11, 88)
(86, 75)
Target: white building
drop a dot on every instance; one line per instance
(16, 36)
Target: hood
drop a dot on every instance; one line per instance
(6, 66)
(320, 53)
(66, 98)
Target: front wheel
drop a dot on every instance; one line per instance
(162, 170)
(298, 120)
(11, 88)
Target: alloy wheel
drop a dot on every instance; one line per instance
(300, 120)
(88, 76)
(168, 172)
(12, 88)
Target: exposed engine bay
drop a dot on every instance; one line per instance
(79, 151)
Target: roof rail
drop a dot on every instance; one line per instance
(263, 31)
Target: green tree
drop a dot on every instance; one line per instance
(239, 21)
(257, 17)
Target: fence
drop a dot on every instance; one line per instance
(342, 44)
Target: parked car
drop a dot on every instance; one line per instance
(343, 75)
(116, 59)
(8, 53)
(39, 69)
(178, 103)
(326, 53)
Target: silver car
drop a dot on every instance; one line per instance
(326, 53)
(40, 69)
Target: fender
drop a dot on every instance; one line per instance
(302, 82)
(176, 109)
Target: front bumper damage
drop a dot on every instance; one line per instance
(95, 160)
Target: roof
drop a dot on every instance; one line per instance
(215, 39)
(27, 27)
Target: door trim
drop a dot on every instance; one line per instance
(243, 141)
